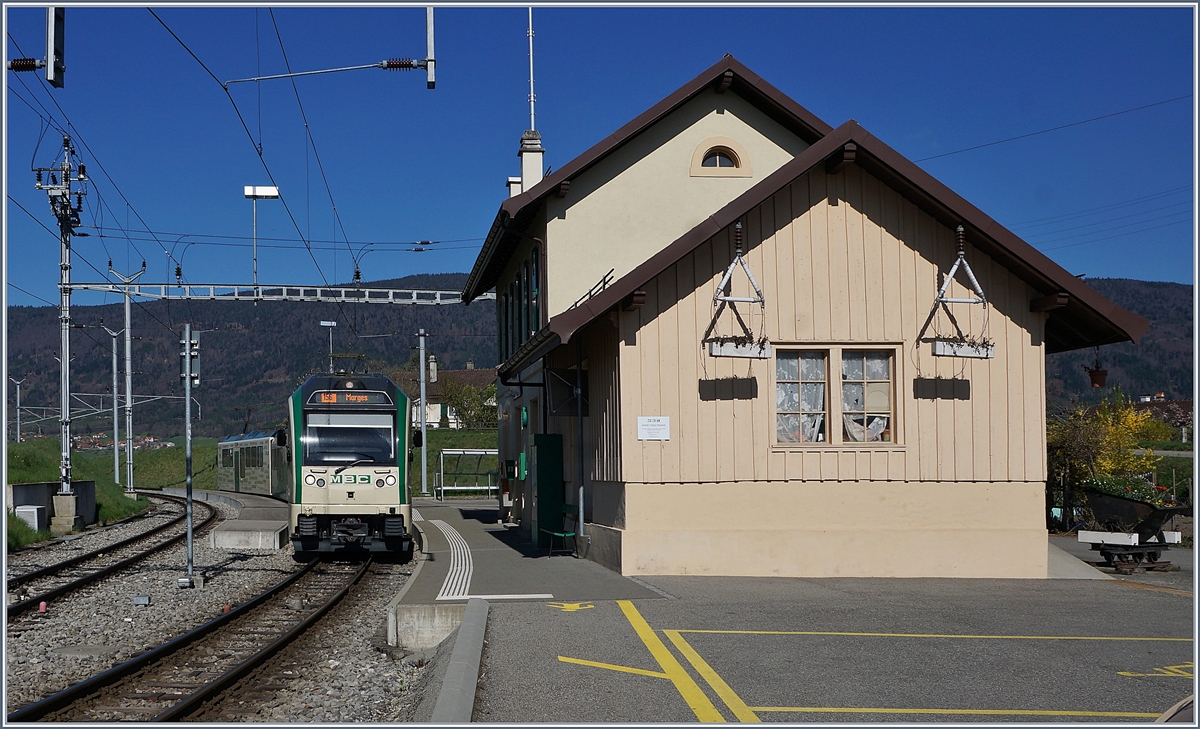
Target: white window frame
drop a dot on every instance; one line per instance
(834, 427)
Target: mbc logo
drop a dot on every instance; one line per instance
(349, 478)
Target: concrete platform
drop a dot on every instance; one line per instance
(466, 552)
(261, 523)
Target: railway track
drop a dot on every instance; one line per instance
(46, 583)
(179, 678)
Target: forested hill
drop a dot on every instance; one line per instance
(1161, 362)
(251, 356)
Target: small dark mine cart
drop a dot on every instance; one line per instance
(1133, 537)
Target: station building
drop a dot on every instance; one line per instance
(727, 330)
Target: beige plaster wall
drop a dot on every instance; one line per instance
(848, 529)
(643, 197)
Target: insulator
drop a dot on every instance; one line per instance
(82, 172)
(399, 64)
(23, 64)
(53, 179)
(39, 177)
(110, 264)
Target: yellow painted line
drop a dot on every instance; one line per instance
(1156, 588)
(972, 712)
(727, 694)
(613, 667)
(687, 687)
(1184, 670)
(936, 635)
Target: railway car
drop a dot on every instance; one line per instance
(254, 463)
(350, 441)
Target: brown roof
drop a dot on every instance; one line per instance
(478, 377)
(1088, 319)
(516, 212)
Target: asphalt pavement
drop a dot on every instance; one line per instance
(607, 648)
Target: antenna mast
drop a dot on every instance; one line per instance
(532, 98)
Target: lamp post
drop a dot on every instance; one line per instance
(256, 193)
(330, 325)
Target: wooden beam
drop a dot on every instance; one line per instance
(563, 188)
(726, 80)
(1048, 303)
(841, 158)
(634, 300)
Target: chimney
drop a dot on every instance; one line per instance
(531, 159)
(432, 368)
(514, 186)
(470, 364)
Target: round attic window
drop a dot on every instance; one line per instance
(719, 157)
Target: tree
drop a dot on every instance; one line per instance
(1098, 441)
(475, 407)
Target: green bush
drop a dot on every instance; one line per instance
(1157, 430)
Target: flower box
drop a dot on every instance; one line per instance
(753, 350)
(944, 348)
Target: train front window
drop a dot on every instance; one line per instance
(341, 438)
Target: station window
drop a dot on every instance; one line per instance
(805, 401)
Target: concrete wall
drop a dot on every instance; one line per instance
(42, 494)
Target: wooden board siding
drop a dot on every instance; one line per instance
(601, 429)
(842, 259)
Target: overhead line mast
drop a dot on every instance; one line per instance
(60, 191)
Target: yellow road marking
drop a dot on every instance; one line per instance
(1156, 588)
(684, 684)
(973, 712)
(1180, 671)
(570, 607)
(727, 694)
(936, 635)
(614, 667)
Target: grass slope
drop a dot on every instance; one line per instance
(36, 460)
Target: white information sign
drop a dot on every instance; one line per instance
(654, 428)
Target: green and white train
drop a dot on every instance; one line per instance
(346, 456)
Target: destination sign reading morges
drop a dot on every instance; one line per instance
(348, 397)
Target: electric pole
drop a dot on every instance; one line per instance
(18, 384)
(127, 280)
(190, 354)
(116, 400)
(59, 191)
(424, 410)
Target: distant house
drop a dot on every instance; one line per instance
(436, 411)
(746, 300)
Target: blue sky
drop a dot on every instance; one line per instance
(405, 163)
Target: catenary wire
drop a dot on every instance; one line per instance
(1089, 211)
(1055, 129)
(76, 134)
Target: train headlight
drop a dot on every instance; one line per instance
(310, 479)
(320, 483)
(379, 483)
(391, 480)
